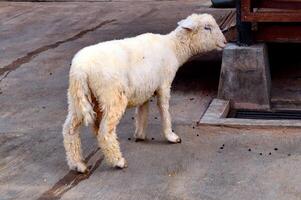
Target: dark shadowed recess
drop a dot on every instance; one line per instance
(199, 74)
(285, 67)
(285, 60)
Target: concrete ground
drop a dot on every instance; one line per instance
(37, 42)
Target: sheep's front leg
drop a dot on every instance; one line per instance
(141, 121)
(163, 104)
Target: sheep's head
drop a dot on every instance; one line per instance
(203, 33)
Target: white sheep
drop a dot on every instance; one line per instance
(108, 77)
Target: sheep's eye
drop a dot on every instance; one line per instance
(208, 28)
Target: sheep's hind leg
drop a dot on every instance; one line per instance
(141, 122)
(163, 104)
(107, 137)
(97, 110)
(72, 144)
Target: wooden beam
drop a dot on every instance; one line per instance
(278, 33)
(293, 5)
(272, 17)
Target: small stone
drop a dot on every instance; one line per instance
(156, 117)
(153, 138)
(151, 100)
(133, 118)
(270, 153)
(193, 127)
(129, 138)
(260, 154)
(43, 107)
(50, 73)
(191, 99)
(249, 150)
(289, 154)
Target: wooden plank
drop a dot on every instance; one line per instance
(278, 33)
(272, 17)
(293, 5)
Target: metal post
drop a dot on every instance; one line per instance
(244, 29)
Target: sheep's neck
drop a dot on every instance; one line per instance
(182, 46)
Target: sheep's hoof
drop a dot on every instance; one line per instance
(173, 138)
(139, 136)
(139, 139)
(87, 171)
(178, 140)
(121, 163)
(81, 168)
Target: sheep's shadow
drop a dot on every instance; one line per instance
(199, 74)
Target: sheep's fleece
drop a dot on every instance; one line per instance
(108, 77)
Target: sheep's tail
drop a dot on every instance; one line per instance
(80, 96)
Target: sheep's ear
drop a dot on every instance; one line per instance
(187, 24)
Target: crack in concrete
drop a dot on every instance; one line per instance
(72, 178)
(4, 76)
(151, 11)
(28, 57)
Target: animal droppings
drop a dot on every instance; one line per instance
(129, 138)
(197, 134)
(221, 147)
(249, 149)
(270, 153)
(289, 154)
(191, 99)
(276, 149)
(50, 73)
(153, 138)
(133, 118)
(260, 154)
(193, 127)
